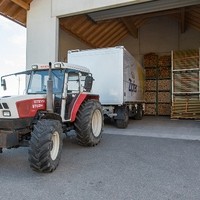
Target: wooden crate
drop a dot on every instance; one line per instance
(164, 61)
(151, 73)
(186, 109)
(164, 109)
(150, 60)
(164, 72)
(150, 85)
(150, 97)
(164, 85)
(150, 109)
(164, 97)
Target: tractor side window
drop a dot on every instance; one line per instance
(58, 78)
(82, 80)
(73, 83)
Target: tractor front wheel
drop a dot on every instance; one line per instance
(45, 145)
(89, 123)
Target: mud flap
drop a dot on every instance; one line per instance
(8, 139)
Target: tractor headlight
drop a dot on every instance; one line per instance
(34, 67)
(57, 65)
(6, 113)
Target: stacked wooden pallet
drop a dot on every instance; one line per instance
(186, 59)
(187, 109)
(164, 109)
(150, 60)
(186, 84)
(164, 85)
(164, 64)
(158, 84)
(186, 81)
(151, 64)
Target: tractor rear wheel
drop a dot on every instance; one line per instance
(89, 123)
(45, 145)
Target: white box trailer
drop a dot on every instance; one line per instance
(119, 80)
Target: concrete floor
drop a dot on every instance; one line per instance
(122, 167)
(159, 127)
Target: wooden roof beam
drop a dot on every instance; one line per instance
(22, 4)
(133, 30)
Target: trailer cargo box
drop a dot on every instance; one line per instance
(119, 78)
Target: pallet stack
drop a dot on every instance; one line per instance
(151, 65)
(164, 85)
(158, 84)
(186, 84)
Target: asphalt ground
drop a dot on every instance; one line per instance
(121, 167)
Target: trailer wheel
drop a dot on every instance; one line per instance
(122, 123)
(89, 123)
(139, 112)
(45, 145)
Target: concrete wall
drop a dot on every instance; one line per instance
(42, 33)
(159, 35)
(68, 42)
(61, 8)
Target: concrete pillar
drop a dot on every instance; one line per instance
(42, 33)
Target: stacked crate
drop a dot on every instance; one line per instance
(151, 65)
(186, 84)
(158, 84)
(164, 85)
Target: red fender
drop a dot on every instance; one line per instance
(79, 100)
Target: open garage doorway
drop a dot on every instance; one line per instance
(151, 38)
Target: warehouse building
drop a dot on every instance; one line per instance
(162, 35)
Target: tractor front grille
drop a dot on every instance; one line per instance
(4, 106)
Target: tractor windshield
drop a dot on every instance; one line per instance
(38, 81)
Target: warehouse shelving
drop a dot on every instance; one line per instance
(185, 84)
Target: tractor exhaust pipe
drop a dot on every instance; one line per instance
(50, 91)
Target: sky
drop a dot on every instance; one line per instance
(12, 48)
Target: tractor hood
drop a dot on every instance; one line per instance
(21, 106)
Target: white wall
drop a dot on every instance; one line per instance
(68, 42)
(161, 35)
(66, 8)
(42, 33)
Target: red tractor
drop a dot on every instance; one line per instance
(58, 99)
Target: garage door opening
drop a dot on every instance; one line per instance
(150, 38)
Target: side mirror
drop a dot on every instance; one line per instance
(3, 84)
(88, 83)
